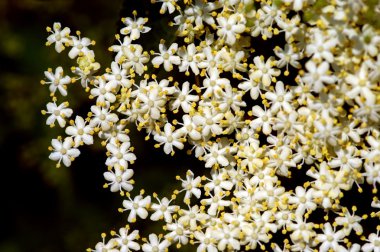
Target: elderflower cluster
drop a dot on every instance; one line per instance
(310, 105)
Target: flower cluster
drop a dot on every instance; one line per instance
(310, 105)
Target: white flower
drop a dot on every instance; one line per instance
(206, 241)
(191, 186)
(193, 217)
(215, 203)
(63, 151)
(263, 120)
(297, 4)
(280, 99)
(79, 46)
(287, 56)
(250, 157)
(303, 199)
(134, 26)
(61, 38)
(367, 41)
(178, 233)
(151, 100)
(170, 139)
(230, 27)
(120, 155)
(81, 132)
(227, 237)
(350, 221)
(163, 210)
(118, 76)
(126, 240)
(330, 238)
(57, 81)
(301, 229)
(233, 61)
(214, 84)
(360, 83)
(119, 49)
(202, 12)
(372, 173)
(135, 58)
(373, 243)
(183, 98)
(321, 46)
(346, 159)
(167, 5)
(216, 156)
(155, 244)
(102, 118)
(264, 71)
(120, 179)
(189, 59)
(326, 130)
(104, 91)
(57, 113)
(167, 57)
(110, 246)
(211, 60)
(317, 75)
(209, 121)
(116, 133)
(219, 182)
(252, 85)
(137, 207)
(231, 99)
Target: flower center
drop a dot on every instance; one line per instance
(170, 139)
(155, 249)
(179, 231)
(63, 151)
(302, 200)
(181, 97)
(150, 103)
(330, 238)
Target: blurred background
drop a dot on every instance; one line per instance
(47, 209)
(65, 209)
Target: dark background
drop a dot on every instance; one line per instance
(43, 208)
(47, 209)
